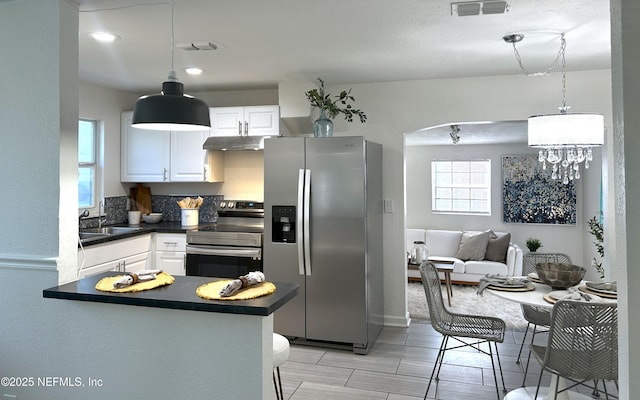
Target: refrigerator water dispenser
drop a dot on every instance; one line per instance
(284, 224)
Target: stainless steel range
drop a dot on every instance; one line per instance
(232, 246)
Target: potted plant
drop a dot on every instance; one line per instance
(533, 244)
(596, 229)
(330, 107)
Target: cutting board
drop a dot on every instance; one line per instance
(143, 198)
(132, 199)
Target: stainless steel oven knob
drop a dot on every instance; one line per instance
(232, 204)
(223, 204)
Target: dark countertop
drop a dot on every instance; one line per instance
(162, 227)
(180, 295)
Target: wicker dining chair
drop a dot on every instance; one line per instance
(537, 318)
(466, 330)
(582, 345)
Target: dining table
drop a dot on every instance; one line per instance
(536, 298)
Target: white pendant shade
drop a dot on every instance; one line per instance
(560, 130)
(566, 139)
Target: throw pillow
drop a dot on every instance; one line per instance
(473, 246)
(497, 248)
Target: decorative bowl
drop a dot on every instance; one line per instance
(559, 275)
(152, 218)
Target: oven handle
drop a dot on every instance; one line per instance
(213, 251)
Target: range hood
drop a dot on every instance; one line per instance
(234, 143)
(295, 110)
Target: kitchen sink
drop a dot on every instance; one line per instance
(111, 230)
(89, 233)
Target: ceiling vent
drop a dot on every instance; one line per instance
(466, 8)
(198, 46)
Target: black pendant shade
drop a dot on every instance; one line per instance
(171, 110)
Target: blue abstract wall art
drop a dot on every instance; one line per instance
(530, 196)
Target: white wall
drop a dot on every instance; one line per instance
(31, 122)
(104, 104)
(625, 185)
(243, 175)
(568, 239)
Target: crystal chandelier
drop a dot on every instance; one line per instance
(565, 139)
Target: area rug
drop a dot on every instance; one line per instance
(466, 301)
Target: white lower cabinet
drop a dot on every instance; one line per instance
(170, 252)
(137, 263)
(165, 251)
(124, 255)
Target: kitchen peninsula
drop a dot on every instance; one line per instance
(198, 348)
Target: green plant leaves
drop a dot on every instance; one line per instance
(332, 107)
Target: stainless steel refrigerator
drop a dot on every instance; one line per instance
(323, 231)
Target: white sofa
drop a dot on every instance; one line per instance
(444, 246)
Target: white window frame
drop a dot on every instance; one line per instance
(459, 187)
(97, 164)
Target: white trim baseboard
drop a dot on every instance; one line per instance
(401, 322)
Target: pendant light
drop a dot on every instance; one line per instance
(565, 139)
(171, 109)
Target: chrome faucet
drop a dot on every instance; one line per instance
(101, 218)
(84, 214)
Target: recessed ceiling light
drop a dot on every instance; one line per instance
(193, 70)
(104, 37)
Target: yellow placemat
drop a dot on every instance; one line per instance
(106, 284)
(210, 291)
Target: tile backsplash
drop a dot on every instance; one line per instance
(115, 209)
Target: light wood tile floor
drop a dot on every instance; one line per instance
(398, 368)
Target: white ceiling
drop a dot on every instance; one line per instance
(264, 42)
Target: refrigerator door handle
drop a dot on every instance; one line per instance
(307, 219)
(299, 213)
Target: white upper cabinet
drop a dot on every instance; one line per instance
(245, 121)
(145, 154)
(227, 121)
(188, 159)
(162, 156)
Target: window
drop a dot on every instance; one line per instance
(461, 187)
(88, 171)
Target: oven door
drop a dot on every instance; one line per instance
(222, 261)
